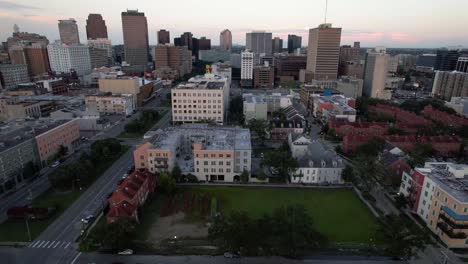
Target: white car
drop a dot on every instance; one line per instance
(55, 164)
(125, 176)
(126, 252)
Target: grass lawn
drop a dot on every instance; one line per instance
(337, 213)
(15, 230)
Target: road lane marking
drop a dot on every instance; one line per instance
(51, 244)
(31, 245)
(75, 258)
(56, 244)
(67, 245)
(63, 244)
(45, 245)
(40, 245)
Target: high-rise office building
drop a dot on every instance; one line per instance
(350, 61)
(96, 27)
(247, 65)
(21, 37)
(135, 34)
(64, 58)
(225, 40)
(175, 57)
(164, 37)
(32, 54)
(294, 42)
(204, 44)
(104, 44)
(448, 84)
(68, 30)
(277, 45)
(259, 42)
(446, 60)
(375, 74)
(462, 64)
(13, 74)
(323, 52)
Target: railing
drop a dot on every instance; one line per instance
(444, 227)
(451, 223)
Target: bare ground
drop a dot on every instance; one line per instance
(174, 225)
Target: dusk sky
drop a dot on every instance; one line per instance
(396, 23)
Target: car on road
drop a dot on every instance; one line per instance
(125, 176)
(55, 164)
(231, 255)
(126, 252)
(88, 219)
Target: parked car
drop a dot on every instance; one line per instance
(124, 176)
(88, 219)
(126, 252)
(55, 164)
(230, 255)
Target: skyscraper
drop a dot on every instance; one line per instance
(247, 63)
(164, 37)
(68, 30)
(259, 42)
(323, 52)
(96, 27)
(446, 60)
(375, 74)
(135, 34)
(277, 45)
(64, 57)
(350, 62)
(225, 40)
(30, 49)
(294, 42)
(462, 64)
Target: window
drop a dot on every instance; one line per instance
(424, 202)
(465, 210)
(228, 155)
(454, 207)
(205, 163)
(213, 163)
(438, 193)
(142, 157)
(445, 199)
(426, 193)
(428, 185)
(435, 203)
(221, 155)
(228, 163)
(228, 170)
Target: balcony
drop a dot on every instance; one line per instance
(449, 232)
(451, 223)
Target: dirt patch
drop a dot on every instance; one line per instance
(175, 225)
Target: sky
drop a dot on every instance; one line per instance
(395, 23)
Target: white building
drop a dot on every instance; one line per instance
(247, 65)
(202, 98)
(224, 70)
(459, 104)
(211, 153)
(317, 164)
(114, 104)
(65, 57)
(255, 107)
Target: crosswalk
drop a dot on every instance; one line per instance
(49, 244)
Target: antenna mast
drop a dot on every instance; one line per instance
(326, 10)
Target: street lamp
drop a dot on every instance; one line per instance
(27, 227)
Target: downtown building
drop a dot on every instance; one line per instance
(122, 104)
(32, 54)
(294, 43)
(163, 37)
(289, 67)
(211, 153)
(96, 27)
(66, 57)
(135, 34)
(11, 75)
(375, 74)
(277, 45)
(225, 40)
(68, 30)
(202, 98)
(448, 84)
(167, 57)
(264, 76)
(437, 193)
(323, 53)
(140, 89)
(259, 42)
(247, 66)
(97, 45)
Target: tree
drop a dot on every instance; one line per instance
(419, 154)
(261, 175)
(402, 236)
(116, 235)
(347, 174)
(236, 109)
(371, 148)
(30, 169)
(176, 173)
(395, 131)
(281, 164)
(260, 128)
(63, 150)
(167, 184)
(244, 177)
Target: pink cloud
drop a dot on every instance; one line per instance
(402, 37)
(32, 18)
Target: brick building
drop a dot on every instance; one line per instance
(345, 128)
(130, 195)
(399, 114)
(444, 117)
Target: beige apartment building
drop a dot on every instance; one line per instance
(211, 153)
(375, 74)
(62, 133)
(202, 98)
(323, 52)
(140, 88)
(114, 104)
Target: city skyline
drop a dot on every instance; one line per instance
(361, 20)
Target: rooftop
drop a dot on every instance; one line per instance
(207, 81)
(451, 177)
(319, 156)
(15, 133)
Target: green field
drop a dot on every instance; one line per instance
(15, 230)
(337, 213)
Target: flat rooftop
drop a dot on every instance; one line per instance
(455, 186)
(208, 81)
(15, 133)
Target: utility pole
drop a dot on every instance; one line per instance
(27, 228)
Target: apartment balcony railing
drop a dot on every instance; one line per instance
(451, 223)
(449, 232)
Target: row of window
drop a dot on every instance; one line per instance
(220, 170)
(213, 163)
(195, 111)
(197, 94)
(195, 101)
(195, 106)
(213, 155)
(192, 118)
